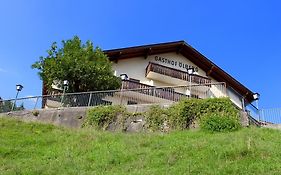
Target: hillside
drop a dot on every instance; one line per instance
(31, 148)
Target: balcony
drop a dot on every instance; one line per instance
(173, 76)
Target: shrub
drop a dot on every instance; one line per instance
(101, 116)
(35, 113)
(216, 114)
(219, 122)
(155, 117)
(183, 113)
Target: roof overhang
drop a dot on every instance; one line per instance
(189, 52)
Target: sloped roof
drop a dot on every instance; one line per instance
(187, 51)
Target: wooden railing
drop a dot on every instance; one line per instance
(157, 68)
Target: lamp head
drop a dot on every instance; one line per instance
(19, 87)
(124, 76)
(256, 96)
(190, 70)
(65, 83)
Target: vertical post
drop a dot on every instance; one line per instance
(62, 98)
(257, 105)
(189, 85)
(225, 90)
(243, 104)
(123, 77)
(256, 97)
(15, 101)
(36, 102)
(121, 93)
(90, 98)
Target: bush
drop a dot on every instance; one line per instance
(183, 113)
(155, 118)
(216, 114)
(101, 116)
(219, 122)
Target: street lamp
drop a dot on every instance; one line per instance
(190, 71)
(256, 97)
(65, 86)
(123, 77)
(18, 88)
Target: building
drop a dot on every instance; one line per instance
(167, 72)
(167, 64)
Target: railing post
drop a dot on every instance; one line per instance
(36, 103)
(14, 104)
(90, 98)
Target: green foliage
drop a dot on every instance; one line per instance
(32, 148)
(182, 114)
(101, 116)
(219, 122)
(85, 67)
(155, 117)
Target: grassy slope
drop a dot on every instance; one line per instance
(30, 148)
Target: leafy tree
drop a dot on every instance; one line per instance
(85, 67)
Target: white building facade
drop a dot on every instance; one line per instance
(167, 65)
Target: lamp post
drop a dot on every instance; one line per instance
(123, 77)
(256, 97)
(65, 86)
(18, 88)
(190, 71)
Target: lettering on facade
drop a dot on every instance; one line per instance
(174, 63)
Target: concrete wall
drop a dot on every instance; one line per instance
(67, 117)
(74, 117)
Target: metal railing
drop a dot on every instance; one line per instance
(125, 96)
(270, 116)
(253, 111)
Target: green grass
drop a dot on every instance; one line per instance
(31, 148)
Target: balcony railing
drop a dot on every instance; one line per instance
(157, 68)
(167, 93)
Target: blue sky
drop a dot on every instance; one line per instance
(242, 37)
